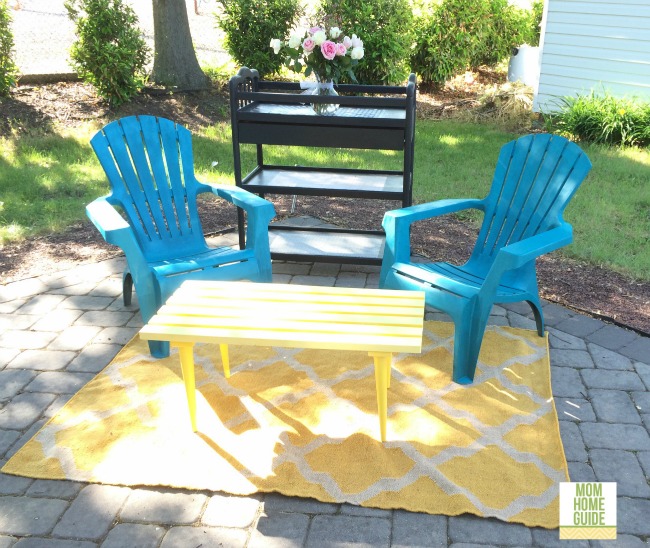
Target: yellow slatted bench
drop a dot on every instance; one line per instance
(380, 322)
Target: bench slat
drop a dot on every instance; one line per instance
(279, 325)
(299, 298)
(247, 289)
(333, 341)
(329, 312)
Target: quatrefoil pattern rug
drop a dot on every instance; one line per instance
(304, 423)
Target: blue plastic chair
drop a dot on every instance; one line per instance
(150, 167)
(535, 178)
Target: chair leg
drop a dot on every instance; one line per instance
(159, 349)
(127, 288)
(266, 275)
(469, 330)
(536, 307)
(463, 371)
(148, 301)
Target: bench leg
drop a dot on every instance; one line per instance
(186, 351)
(383, 362)
(225, 360)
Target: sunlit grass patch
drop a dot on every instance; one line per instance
(46, 180)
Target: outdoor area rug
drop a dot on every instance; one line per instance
(304, 423)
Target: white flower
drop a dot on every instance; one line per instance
(276, 44)
(357, 53)
(347, 42)
(319, 37)
(356, 41)
(335, 32)
(295, 40)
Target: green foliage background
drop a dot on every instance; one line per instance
(8, 69)
(386, 28)
(249, 26)
(456, 35)
(109, 52)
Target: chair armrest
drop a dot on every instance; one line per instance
(259, 214)
(433, 209)
(112, 226)
(517, 255)
(397, 222)
(117, 231)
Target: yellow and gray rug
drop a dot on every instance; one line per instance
(304, 423)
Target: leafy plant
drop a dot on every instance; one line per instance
(506, 27)
(386, 27)
(8, 69)
(460, 34)
(250, 25)
(109, 52)
(602, 118)
(446, 38)
(535, 23)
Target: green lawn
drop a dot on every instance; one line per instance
(46, 180)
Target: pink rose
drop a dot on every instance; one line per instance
(314, 30)
(328, 49)
(341, 49)
(308, 45)
(347, 42)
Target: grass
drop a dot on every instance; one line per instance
(46, 181)
(43, 182)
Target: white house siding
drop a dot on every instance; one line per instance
(599, 45)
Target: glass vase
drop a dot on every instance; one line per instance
(325, 89)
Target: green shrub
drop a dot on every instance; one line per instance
(386, 28)
(458, 35)
(250, 25)
(535, 23)
(447, 38)
(8, 69)
(602, 119)
(109, 52)
(506, 27)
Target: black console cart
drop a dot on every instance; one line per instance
(276, 113)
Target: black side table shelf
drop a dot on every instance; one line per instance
(275, 113)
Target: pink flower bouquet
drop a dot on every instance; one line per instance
(327, 53)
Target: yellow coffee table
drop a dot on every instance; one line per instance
(380, 322)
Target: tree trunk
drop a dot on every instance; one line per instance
(175, 64)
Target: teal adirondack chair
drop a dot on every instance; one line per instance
(535, 178)
(150, 167)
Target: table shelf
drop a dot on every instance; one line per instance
(384, 185)
(292, 243)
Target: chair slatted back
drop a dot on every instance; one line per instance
(149, 164)
(534, 180)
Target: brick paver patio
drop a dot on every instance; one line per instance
(57, 331)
